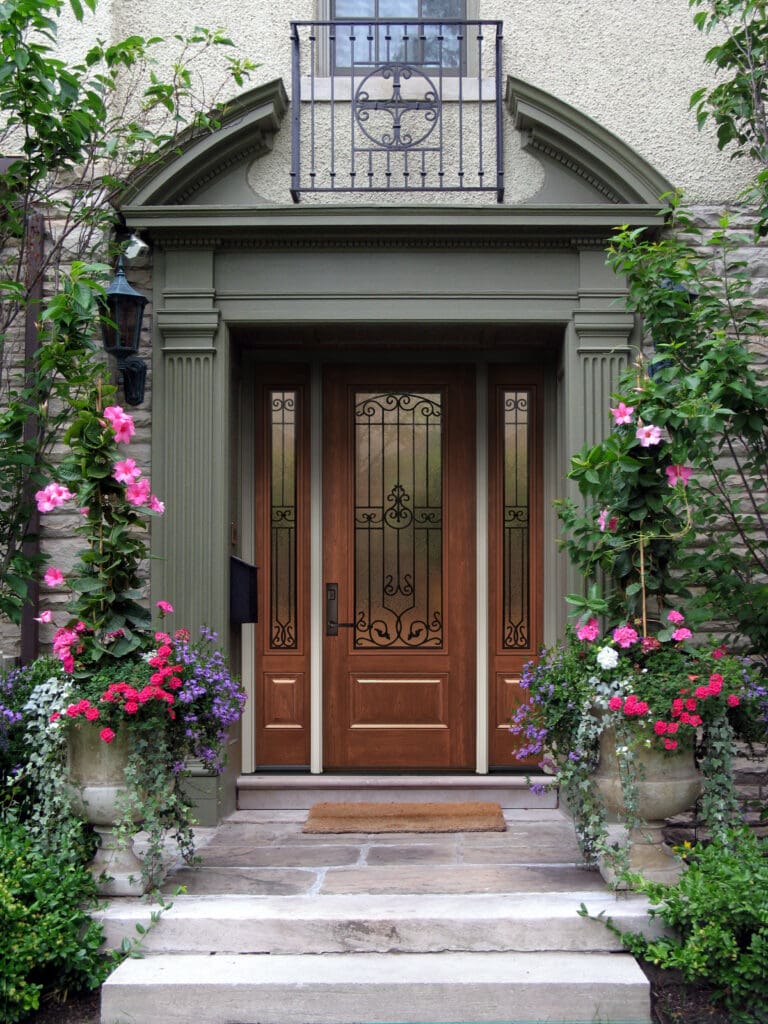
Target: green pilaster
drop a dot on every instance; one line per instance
(190, 401)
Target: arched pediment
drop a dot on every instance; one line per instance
(592, 180)
(577, 153)
(204, 167)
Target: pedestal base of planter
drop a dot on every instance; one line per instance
(649, 855)
(115, 867)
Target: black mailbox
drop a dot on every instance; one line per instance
(243, 601)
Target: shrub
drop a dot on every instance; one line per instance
(50, 941)
(718, 911)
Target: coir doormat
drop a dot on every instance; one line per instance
(405, 817)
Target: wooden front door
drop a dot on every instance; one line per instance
(399, 568)
(395, 488)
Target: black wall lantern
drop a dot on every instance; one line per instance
(121, 316)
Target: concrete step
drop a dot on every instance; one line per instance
(300, 792)
(357, 988)
(429, 923)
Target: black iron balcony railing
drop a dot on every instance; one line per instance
(396, 106)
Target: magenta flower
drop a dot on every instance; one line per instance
(648, 436)
(46, 616)
(126, 472)
(589, 631)
(107, 735)
(622, 413)
(677, 474)
(625, 636)
(156, 505)
(137, 493)
(615, 703)
(165, 607)
(52, 496)
(683, 633)
(121, 423)
(602, 520)
(53, 577)
(675, 617)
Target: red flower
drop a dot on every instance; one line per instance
(690, 704)
(670, 744)
(732, 700)
(131, 707)
(107, 735)
(92, 714)
(659, 727)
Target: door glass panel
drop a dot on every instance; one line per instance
(516, 435)
(398, 520)
(282, 584)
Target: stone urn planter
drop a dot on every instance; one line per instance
(97, 779)
(666, 785)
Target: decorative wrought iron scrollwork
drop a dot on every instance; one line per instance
(401, 128)
(398, 520)
(515, 521)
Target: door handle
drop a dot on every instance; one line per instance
(332, 624)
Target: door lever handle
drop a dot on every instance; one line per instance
(332, 624)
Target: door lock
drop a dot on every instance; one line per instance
(332, 624)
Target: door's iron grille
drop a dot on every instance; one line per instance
(516, 617)
(398, 520)
(396, 106)
(282, 584)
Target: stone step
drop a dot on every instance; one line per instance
(356, 988)
(300, 792)
(429, 923)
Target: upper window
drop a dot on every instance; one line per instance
(381, 32)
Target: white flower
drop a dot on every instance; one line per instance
(607, 657)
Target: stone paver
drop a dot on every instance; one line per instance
(267, 854)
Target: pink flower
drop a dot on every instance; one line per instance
(625, 636)
(677, 706)
(677, 474)
(683, 633)
(52, 496)
(702, 692)
(732, 700)
(715, 684)
(53, 577)
(659, 727)
(691, 704)
(92, 714)
(126, 472)
(622, 413)
(602, 520)
(718, 653)
(673, 727)
(648, 436)
(590, 631)
(46, 616)
(165, 607)
(615, 703)
(670, 744)
(137, 493)
(131, 707)
(107, 735)
(675, 617)
(650, 643)
(121, 423)
(156, 505)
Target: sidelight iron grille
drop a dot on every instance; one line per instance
(398, 520)
(409, 105)
(516, 442)
(282, 587)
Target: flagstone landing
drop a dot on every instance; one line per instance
(280, 927)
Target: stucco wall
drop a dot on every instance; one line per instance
(629, 64)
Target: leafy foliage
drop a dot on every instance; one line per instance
(49, 937)
(718, 913)
(738, 104)
(70, 135)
